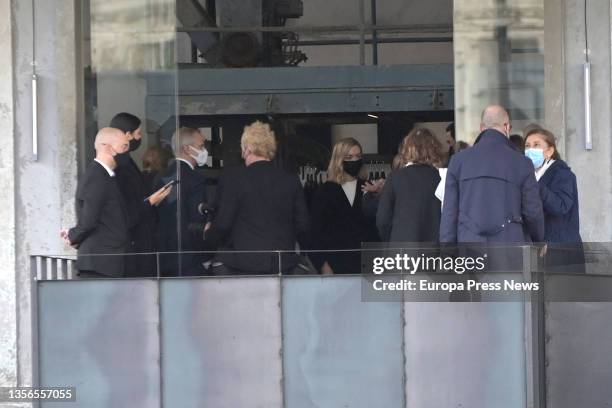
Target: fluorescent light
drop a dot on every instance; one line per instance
(34, 118)
(372, 116)
(588, 137)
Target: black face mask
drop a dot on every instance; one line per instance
(123, 159)
(352, 167)
(135, 144)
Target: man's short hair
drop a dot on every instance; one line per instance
(106, 136)
(451, 129)
(183, 136)
(259, 139)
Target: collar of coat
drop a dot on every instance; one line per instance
(492, 135)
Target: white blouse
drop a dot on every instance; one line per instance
(350, 188)
(540, 172)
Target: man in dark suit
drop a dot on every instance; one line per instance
(261, 208)
(101, 214)
(491, 194)
(189, 193)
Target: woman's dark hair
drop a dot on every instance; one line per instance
(125, 122)
(548, 137)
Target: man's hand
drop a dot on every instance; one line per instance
(157, 197)
(64, 236)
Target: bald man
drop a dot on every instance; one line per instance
(101, 214)
(491, 194)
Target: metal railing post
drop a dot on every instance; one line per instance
(534, 332)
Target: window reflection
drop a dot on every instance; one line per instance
(499, 58)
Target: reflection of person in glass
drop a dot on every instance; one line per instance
(154, 161)
(141, 215)
(343, 211)
(559, 193)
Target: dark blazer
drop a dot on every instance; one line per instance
(559, 194)
(141, 221)
(491, 195)
(337, 225)
(192, 192)
(408, 210)
(260, 208)
(101, 223)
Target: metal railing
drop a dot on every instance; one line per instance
(194, 337)
(44, 267)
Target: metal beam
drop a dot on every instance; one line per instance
(252, 91)
(403, 28)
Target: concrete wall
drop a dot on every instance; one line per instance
(8, 321)
(44, 189)
(593, 168)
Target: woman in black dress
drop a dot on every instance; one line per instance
(343, 212)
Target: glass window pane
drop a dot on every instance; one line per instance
(499, 58)
(129, 64)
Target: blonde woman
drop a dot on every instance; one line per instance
(340, 211)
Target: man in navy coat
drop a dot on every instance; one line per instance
(491, 193)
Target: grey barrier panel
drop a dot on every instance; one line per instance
(339, 351)
(100, 336)
(579, 354)
(465, 355)
(221, 342)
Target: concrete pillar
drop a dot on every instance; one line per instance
(44, 188)
(593, 168)
(554, 70)
(8, 294)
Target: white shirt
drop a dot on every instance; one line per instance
(540, 172)
(441, 186)
(350, 188)
(186, 161)
(108, 169)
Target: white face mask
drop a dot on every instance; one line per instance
(201, 156)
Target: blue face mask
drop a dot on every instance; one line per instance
(536, 156)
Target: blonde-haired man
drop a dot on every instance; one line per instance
(261, 208)
(258, 142)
